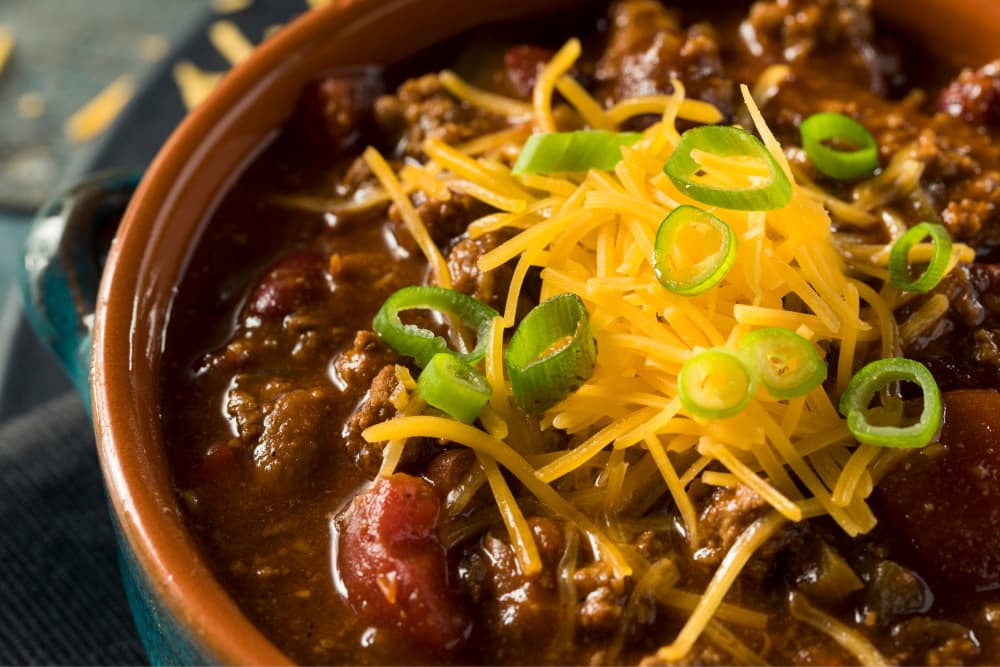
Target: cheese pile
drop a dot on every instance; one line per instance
(592, 235)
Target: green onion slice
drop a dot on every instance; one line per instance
(413, 341)
(454, 386)
(727, 142)
(821, 128)
(716, 383)
(788, 364)
(558, 152)
(899, 257)
(551, 354)
(869, 380)
(689, 227)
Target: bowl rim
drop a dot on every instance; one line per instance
(147, 523)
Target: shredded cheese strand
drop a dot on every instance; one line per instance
(387, 177)
(851, 640)
(477, 97)
(230, 41)
(545, 84)
(517, 528)
(473, 438)
(746, 544)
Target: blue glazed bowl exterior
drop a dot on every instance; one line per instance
(63, 260)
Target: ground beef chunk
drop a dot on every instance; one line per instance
(974, 96)
(702, 654)
(375, 407)
(796, 30)
(725, 512)
(358, 366)
(799, 644)
(603, 597)
(518, 608)
(248, 401)
(959, 164)
(335, 110)
(928, 641)
(973, 208)
(961, 348)
(246, 413)
(490, 287)
(422, 108)
(647, 48)
(447, 470)
(289, 444)
(444, 220)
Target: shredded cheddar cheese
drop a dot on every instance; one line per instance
(593, 235)
(101, 111)
(194, 83)
(6, 46)
(152, 48)
(230, 6)
(227, 38)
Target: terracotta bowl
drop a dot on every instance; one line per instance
(182, 613)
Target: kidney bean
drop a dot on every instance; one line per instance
(290, 284)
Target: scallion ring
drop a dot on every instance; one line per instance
(899, 257)
(730, 142)
(820, 129)
(868, 381)
(454, 387)
(683, 231)
(788, 364)
(716, 383)
(558, 152)
(551, 354)
(413, 341)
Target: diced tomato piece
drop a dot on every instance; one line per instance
(944, 502)
(394, 567)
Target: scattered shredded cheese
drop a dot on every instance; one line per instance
(194, 83)
(152, 47)
(230, 6)
(101, 111)
(6, 46)
(851, 640)
(230, 41)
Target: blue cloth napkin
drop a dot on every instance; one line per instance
(61, 597)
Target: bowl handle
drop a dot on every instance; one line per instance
(63, 259)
